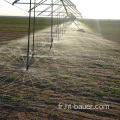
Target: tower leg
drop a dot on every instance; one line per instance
(27, 66)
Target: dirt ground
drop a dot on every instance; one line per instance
(11, 35)
(82, 68)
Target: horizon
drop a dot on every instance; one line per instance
(54, 17)
(94, 9)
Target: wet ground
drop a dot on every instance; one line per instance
(81, 68)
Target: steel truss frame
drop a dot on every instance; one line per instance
(64, 11)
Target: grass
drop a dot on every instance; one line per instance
(13, 28)
(22, 24)
(10, 101)
(79, 79)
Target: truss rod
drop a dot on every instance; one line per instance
(75, 9)
(48, 8)
(56, 10)
(68, 14)
(71, 3)
(41, 2)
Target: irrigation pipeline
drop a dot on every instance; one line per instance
(63, 11)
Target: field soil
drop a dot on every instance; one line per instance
(11, 35)
(108, 29)
(81, 69)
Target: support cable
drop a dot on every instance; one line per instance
(15, 6)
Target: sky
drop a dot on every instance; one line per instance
(96, 9)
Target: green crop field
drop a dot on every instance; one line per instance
(22, 24)
(17, 27)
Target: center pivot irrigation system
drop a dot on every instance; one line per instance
(62, 10)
